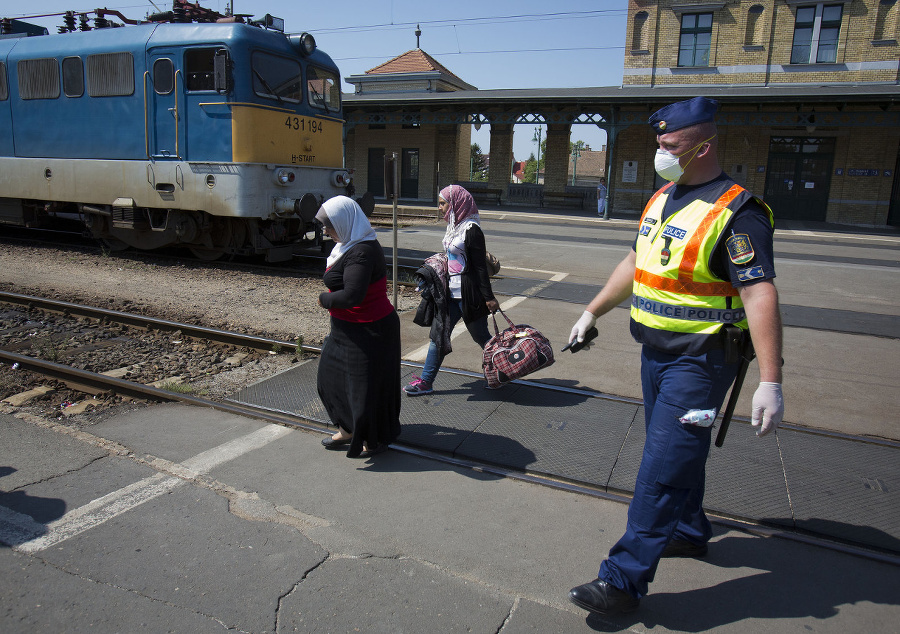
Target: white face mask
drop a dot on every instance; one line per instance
(668, 166)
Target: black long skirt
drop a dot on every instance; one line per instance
(359, 380)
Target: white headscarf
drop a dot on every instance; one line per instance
(349, 223)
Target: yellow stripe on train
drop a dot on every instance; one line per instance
(285, 138)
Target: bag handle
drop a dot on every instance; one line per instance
(505, 316)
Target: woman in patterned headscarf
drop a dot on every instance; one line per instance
(470, 295)
(359, 368)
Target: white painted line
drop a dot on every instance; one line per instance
(101, 510)
(113, 504)
(838, 236)
(522, 268)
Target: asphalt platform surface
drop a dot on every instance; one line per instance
(180, 519)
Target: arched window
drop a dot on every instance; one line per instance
(639, 34)
(753, 33)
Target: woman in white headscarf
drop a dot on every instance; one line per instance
(359, 368)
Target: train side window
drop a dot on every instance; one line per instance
(163, 76)
(110, 75)
(276, 77)
(323, 89)
(4, 87)
(200, 68)
(73, 76)
(38, 78)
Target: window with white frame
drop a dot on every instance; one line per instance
(817, 29)
(696, 38)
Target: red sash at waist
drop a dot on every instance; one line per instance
(374, 306)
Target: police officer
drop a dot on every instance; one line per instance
(701, 266)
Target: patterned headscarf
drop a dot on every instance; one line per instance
(460, 212)
(349, 223)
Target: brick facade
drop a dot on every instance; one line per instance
(751, 43)
(443, 154)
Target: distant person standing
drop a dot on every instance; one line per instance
(601, 198)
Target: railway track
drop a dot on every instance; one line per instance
(92, 383)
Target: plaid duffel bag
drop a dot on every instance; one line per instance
(515, 352)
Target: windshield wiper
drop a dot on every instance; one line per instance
(319, 97)
(268, 87)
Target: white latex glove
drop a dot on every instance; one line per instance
(768, 407)
(581, 326)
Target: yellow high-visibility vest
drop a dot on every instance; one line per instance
(678, 303)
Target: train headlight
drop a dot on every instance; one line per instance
(340, 179)
(284, 177)
(307, 43)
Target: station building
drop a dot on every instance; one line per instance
(809, 117)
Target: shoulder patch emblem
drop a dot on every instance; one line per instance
(739, 248)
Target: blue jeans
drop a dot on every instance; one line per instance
(478, 329)
(668, 494)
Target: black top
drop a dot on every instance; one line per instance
(349, 278)
(475, 282)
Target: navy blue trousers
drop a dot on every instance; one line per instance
(668, 494)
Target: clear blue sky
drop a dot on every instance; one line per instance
(487, 43)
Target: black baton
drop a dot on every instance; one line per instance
(747, 355)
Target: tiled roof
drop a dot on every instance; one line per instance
(591, 163)
(414, 61)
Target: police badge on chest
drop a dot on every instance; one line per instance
(665, 254)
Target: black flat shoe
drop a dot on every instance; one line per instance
(331, 443)
(371, 452)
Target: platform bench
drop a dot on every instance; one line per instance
(485, 193)
(564, 198)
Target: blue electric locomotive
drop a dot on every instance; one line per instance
(222, 137)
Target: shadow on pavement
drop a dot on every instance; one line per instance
(807, 583)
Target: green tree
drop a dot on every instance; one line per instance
(530, 172)
(478, 166)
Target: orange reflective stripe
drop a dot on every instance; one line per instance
(653, 199)
(692, 250)
(684, 287)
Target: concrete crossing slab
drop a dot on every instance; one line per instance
(826, 485)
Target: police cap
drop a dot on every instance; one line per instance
(683, 114)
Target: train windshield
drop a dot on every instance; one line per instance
(276, 77)
(323, 89)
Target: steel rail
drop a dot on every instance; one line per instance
(144, 322)
(75, 376)
(263, 343)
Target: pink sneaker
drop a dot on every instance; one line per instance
(418, 387)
